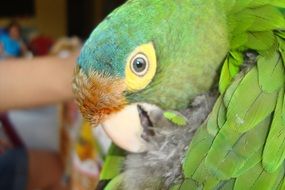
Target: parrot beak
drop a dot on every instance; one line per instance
(101, 101)
(131, 127)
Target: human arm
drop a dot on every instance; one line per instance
(35, 82)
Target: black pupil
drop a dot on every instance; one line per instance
(139, 64)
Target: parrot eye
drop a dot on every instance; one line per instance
(139, 65)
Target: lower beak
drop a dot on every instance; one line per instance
(126, 129)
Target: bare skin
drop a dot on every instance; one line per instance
(26, 83)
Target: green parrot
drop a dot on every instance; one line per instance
(163, 54)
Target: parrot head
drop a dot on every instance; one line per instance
(160, 52)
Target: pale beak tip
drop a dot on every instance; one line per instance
(125, 128)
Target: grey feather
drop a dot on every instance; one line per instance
(160, 166)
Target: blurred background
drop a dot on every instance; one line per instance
(34, 31)
(57, 18)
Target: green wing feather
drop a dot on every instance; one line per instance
(230, 69)
(260, 40)
(201, 143)
(116, 183)
(242, 144)
(214, 123)
(189, 184)
(274, 151)
(258, 178)
(271, 72)
(227, 185)
(113, 164)
(281, 185)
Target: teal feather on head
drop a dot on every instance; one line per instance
(109, 45)
(187, 43)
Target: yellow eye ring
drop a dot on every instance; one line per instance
(139, 64)
(141, 67)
